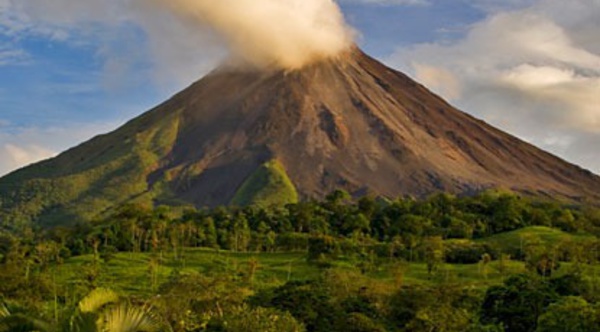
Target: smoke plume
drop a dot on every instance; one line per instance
(283, 33)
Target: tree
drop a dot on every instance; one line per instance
(564, 219)
(395, 246)
(517, 303)
(244, 319)
(253, 266)
(240, 233)
(358, 322)
(309, 304)
(433, 252)
(270, 241)
(209, 232)
(458, 229)
(46, 252)
(19, 277)
(107, 253)
(507, 213)
(503, 264)
(308, 217)
(367, 205)
(411, 228)
(19, 322)
(444, 308)
(570, 314)
(538, 257)
(322, 248)
(355, 223)
(190, 301)
(484, 262)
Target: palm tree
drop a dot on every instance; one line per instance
(19, 322)
(102, 310)
(127, 318)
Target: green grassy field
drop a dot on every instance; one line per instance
(129, 273)
(514, 240)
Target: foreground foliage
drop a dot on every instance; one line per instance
(494, 262)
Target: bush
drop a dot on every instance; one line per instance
(570, 314)
(309, 303)
(292, 241)
(107, 253)
(322, 247)
(357, 322)
(467, 252)
(243, 319)
(518, 303)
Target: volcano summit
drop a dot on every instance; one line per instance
(347, 122)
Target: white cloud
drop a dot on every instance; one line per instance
(23, 146)
(501, 5)
(11, 55)
(389, 2)
(133, 33)
(17, 156)
(439, 79)
(179, 52)
(534, 72)
(126, 34)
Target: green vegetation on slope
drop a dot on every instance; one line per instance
(546, 236)
(86, 183)
(268, 185)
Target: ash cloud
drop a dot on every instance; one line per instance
(283, 33)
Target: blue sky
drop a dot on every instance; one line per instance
(71, 69)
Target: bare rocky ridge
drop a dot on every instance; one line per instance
(355, 124)
(346, 123)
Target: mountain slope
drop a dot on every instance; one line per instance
(347, 123)
(268, 185)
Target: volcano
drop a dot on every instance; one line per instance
(347, 123)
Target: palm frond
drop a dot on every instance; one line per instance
(84, 322)
(4, 311)
(127, 318)
(23, 323)
(97, 299)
